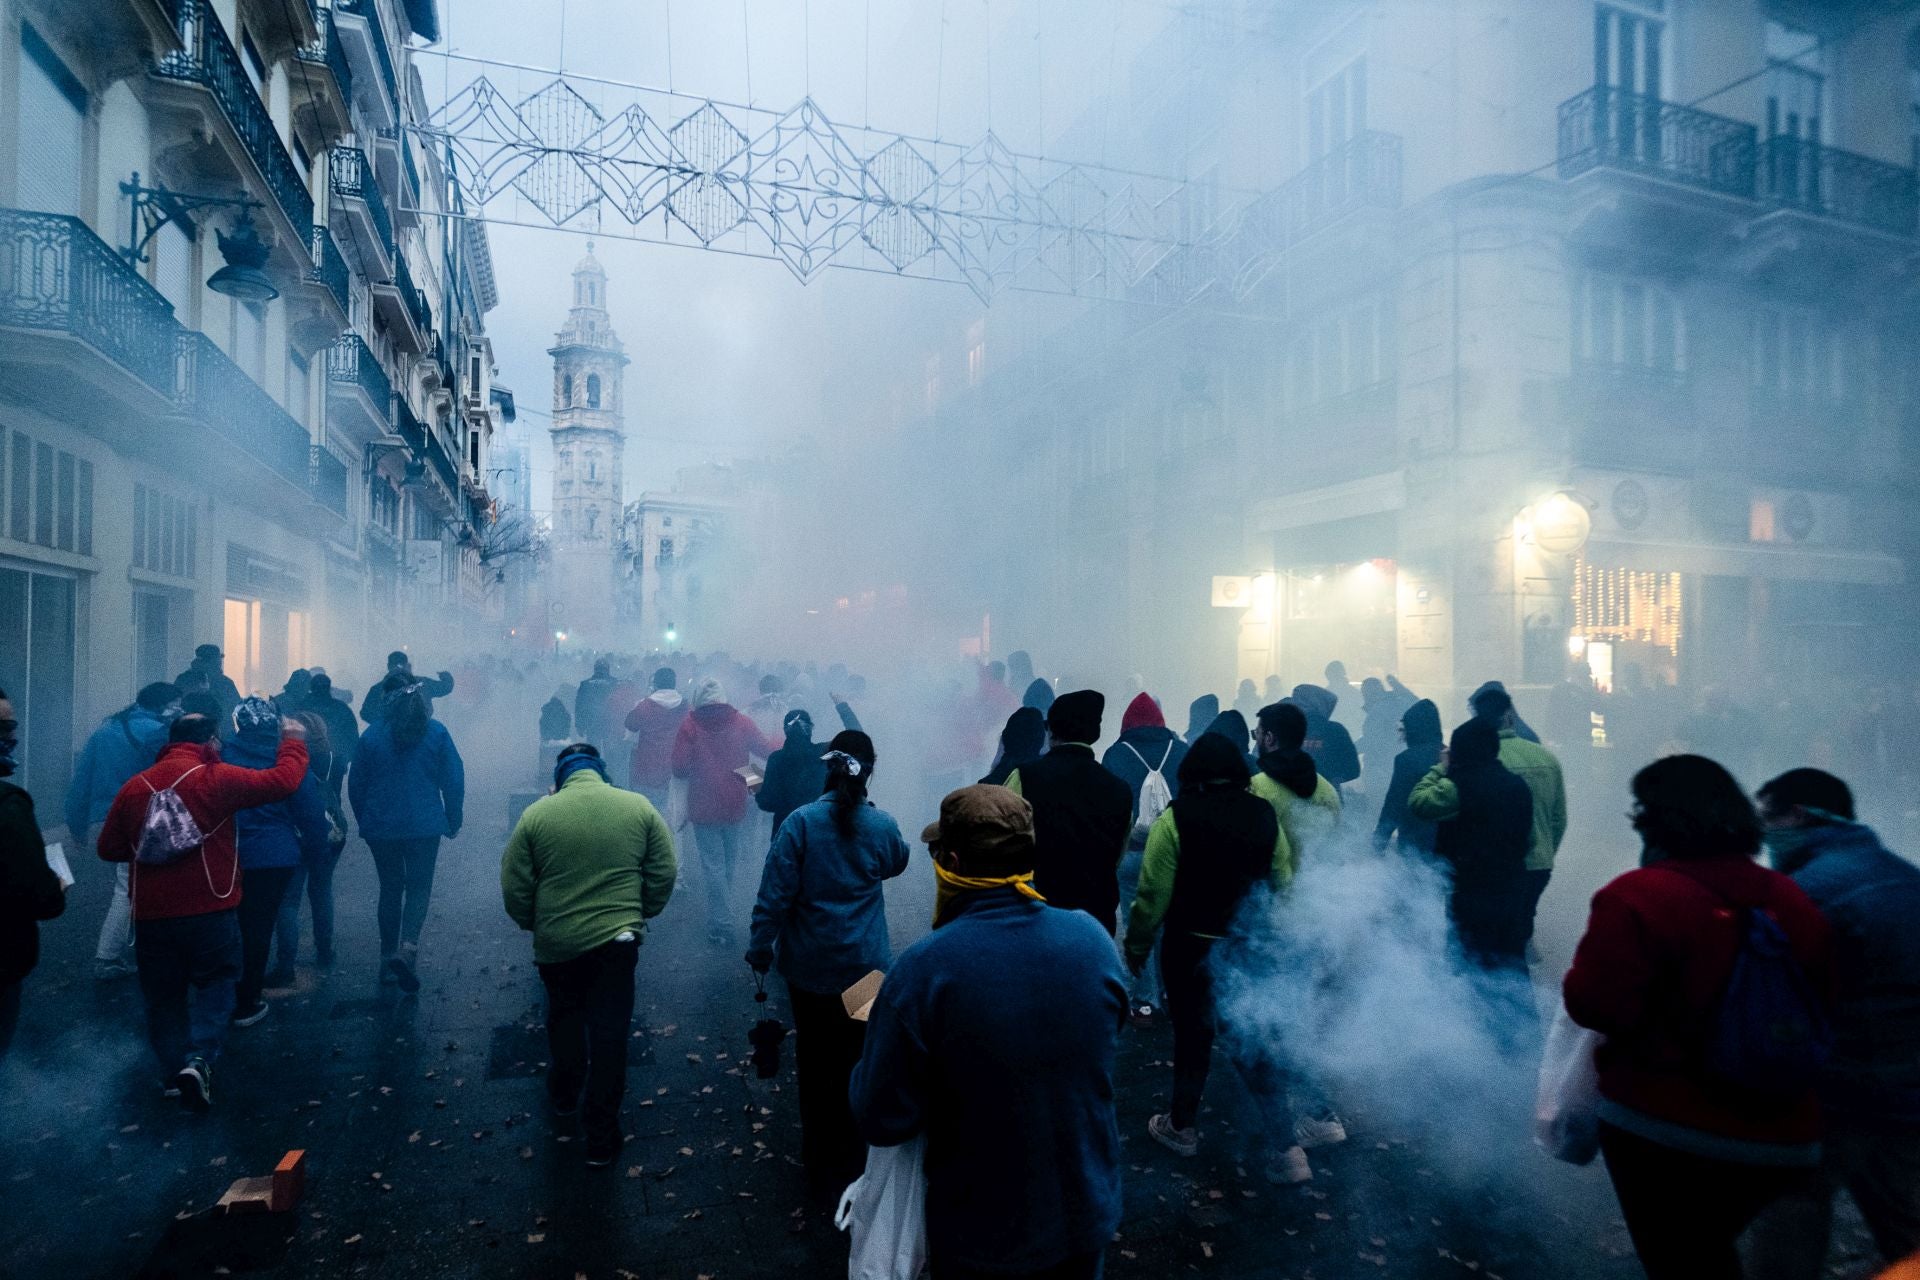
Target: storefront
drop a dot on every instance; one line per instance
(267, 620)
(1628, 624)
(38, 608)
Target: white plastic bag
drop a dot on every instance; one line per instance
(1566, 1120)
(885, 1212)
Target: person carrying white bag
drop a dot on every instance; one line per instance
(885, 1214)
(1566, 1112)
(1010, 1084)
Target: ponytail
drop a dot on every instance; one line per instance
(849, 770)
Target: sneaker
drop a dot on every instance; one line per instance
(599, 1157)
(401, 966)
(1289, 1168)
(195, 1083)
(1313, 1132)
(1182, 1142)
(1142, 1015)
(108, 970)
(247, 1017)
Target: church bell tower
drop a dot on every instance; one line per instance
(589, 438)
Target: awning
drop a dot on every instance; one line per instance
(1784, 563)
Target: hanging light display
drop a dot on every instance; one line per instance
(1625, 605)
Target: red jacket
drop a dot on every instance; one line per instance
(1658, 951)
(196, 885)
(713, 741)
(655, 723)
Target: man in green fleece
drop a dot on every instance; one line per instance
(1541, 772)
(585, 869)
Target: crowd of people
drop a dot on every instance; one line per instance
(1761, 1025)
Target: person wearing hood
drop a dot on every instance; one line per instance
(1380, 713)
(797, 772)
(343, 731)
(1536, 766)
(1484, 816)
(1039, 696)
(1082, 814)
(1201, 714)
(1328, 741)
(1022, 742)
(398, 681)
(1479, 698)
(314, 875)
(1146, 747)
(1870, 1086)
(273, 839)
(654, 723)
(714, 742)
(587, 866)
(556, 722)
(594, 717)
(186, 937)
(1420, 728)
(205, 672)
(821, 915)
(126, 742)
(1306, 805)
(409, 790)
(1019, 669)
(1246, 700)
(29, 890)
(1211, 851)
(1232, 725)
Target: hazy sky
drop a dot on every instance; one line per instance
(734, 356)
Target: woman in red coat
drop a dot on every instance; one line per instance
(1694, 1156)
(713, 743)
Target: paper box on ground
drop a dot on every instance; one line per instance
(276, 1193)
(859, 997)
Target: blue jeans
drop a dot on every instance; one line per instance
(405, 869)
(316, 878)
(719, 845)
(189, 967)
(1146, 987)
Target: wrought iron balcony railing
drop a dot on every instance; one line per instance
(1797, 174)
(57, 275)
(327, 52)
(443, 464)
(349, 362)
(350, 175)
(206, 57)
(410, 296)
(411, 429)
(218, 393)
(329, 268)
(327, 480)
(1606, 128)
(1362, 172)
(383, 55)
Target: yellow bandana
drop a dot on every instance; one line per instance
(951, 885)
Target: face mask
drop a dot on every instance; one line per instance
(1783, 842)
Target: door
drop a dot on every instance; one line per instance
(36, 670)
(1629, 50)
(1796, 102)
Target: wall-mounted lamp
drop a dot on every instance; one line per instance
(244, 276)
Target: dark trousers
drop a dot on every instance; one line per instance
(1686, 1212)
(589, 1015)
(1085, 1266)
(1536, 885)
(1188, 983)
(405, 868)
(188, 968)
(1879, 1166)
(315, 877)
(9, 1013)
(259, 911)
(827, 1047)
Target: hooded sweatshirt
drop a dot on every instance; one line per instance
(124, 744)
(1039, 696)
(1023, 741)
(654, 722)
(713, 741)
(1145, 744)
(1232, 726)
(1201, 714)
(1422, 723)
(283, 832)
(1328, 741)
(1306, 805)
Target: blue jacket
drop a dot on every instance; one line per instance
(971, 1045)
(821, 908)
(284, 833)
(1871, 897)
(410, 793)
(124, 744)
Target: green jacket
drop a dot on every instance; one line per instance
(1158, 868)
(584, 865)
(1436, 799)
(1303, 822)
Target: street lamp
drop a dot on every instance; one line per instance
(244, 276)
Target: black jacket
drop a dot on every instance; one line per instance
(1331, 747)
(373, 707)
(1487, 844)
(1422, 722)
(1082, 816)
(343, 731)
(796, 774)
(29, 891)
(1226, 852)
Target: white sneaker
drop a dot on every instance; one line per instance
(1182, 1142)
(1314, 1132)
(1289, 1168)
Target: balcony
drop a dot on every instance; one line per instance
(1607, 128)
(327, 55)
(1362, 172)
(206, 60)
(327, 480)
(411, 429)
(60, 285)
(442, 463)
(405, 307)
(355, 379)
(1830, 183)
(217, 393)
(359, 203)
(358, 21)
(328, 271)
(1630, 415)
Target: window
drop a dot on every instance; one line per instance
(664, 558)
(1337, 109)
(1629, 47)
(165, 532)
(36, 651)
(566, 390)
(299, 386)
(1628, 323)
(593, 391)
(1796, 83)
(53, 114)
(48, 496)
(1345, 353)
(976, 353)
(1798, 353)
(593, 466)
(1762, 521)
(255, 64)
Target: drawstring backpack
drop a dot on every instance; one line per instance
(169, 832)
